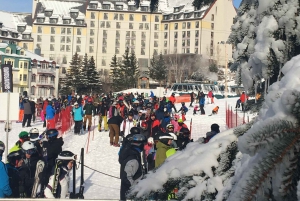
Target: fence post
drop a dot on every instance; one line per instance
(231, 123)
(236, 118)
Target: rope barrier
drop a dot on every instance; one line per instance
(100, 172)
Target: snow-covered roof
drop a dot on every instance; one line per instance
(10, 22)
(3, 45)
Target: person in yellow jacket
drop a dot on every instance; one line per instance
(23, 137)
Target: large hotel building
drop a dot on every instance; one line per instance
(56, 29)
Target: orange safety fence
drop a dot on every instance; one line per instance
(183, 98)
(233, 119)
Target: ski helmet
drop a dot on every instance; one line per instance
(14, 157)
(66, 156)
(34, 134)
(170, 126)
(165, 137)
(28, 147)
(138, 140)
(150, 140)
(52, 133)
(2, 148)
(135, 130)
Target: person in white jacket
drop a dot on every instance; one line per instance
(64, 163)
(127, 124)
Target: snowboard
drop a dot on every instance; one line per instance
(37, 185)
(56, 177)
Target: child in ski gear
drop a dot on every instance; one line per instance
(170, 128)
(162, 146)
(153, 125)
(215, 110)
(127, 124)
(211, 96)
(215, 129)
(202, 103)
(238, 104)
(59, 188)
(183, 108)
(89, 110)
(183, 138)
(150, 154)
(114, 129)
(196, 109)
(5, 189)
(131, 169)
(77, 113)
(23, 137)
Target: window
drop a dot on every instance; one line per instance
(156, 35)
(197, 33)
(165, 51)
(39, 38)
(68, 39)
(25, 65)
(187, 50)
(53, 20)
(132, 42)
(156, 27)
(91, 49)
(146, 26)
(105, 33)
(118, 25)
(116, 16)
(40, 29)
(188, 34)
(175, 43)
(130, 25)
(107, 24)
(38, 46)
(183, 34)
(117, 50)
(166, 17)
(131, 17)
(21, 65)
(188, 25)
(197, 24)
(92, 32)
(69, 31)
(33, 77)
(144, 8)
(155, 52)
(103, 61)
(62, 48)
(63, 30)
(212, 17)
(166, 27)
(119, 7)
(156, 18)
(40, 19)
(212, 35)
(144, 18)
(102, 25)
(188, 42)
(132, 50)
(165, 43)
(127, 43)
(183, 43)
(21, 77)
(143, 35)
(52, 30)
(93, 16)
(78, 48)
(78, 41)
(65, 60)
(155, 43)
(66, 21)
(143, 43)
(105, 16)
(133, 35)
(68, 48)
(104, 42)
(176, 26)
(52, 39)
(78, 31)
(131, 7)
(166, 35)
(118, 34)
(25, 46)
(212, 26)
(91, 41)
(92, 23)
(141, 25)
(26, 36)
(51, 47)
(196, 42)
(183, 25)
(118, 42)
(127, 34)
(143, 51)
(176, 34)
(24, 77)
(121, 16)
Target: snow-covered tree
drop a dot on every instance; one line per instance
(116, 74)
(158, 69)
(73, 75)
(129, 70)
(94, 83)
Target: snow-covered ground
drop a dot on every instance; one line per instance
(103, 158)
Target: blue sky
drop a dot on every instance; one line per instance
(26, 5)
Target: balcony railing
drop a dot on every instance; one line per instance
(51, 83)
(47, 70)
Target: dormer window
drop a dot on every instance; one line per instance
(4, 33)
(53, 20)
(131, 7)
(74, 13)
(186, 15)
(176, 10)
(144, 8)
(80, 22)
(93, 5)
(119, 7)
(106, 6)
(48, 12)
(40, 19)
(21, 28)
(14, 35)
(66, 21)
(166, 17)
(26, 36)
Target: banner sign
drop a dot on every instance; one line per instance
(6, 75)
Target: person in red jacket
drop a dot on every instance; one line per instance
(243, 99)
(153, 125)
(181, 124)
(172, 99)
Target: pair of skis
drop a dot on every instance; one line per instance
(37, 188)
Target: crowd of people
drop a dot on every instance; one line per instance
(147, 130)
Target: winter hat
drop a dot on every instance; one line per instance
(24, 135)
(180, 121)
(215, 127)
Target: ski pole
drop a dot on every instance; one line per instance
(94, 127)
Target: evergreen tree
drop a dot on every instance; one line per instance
(73, 75)
(200, 3)
(134, 70)
(83, 75)
(116, 74)
(94, 83)
(158, 69)
(213, 68)
(129, 71)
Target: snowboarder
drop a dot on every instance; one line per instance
(5, 190)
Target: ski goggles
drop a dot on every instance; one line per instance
(29, 151)
(170, 127)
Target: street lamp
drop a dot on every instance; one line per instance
(226, 67)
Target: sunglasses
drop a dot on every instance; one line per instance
(29, 151)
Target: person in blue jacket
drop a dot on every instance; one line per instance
(5, 190)
(77, 113)
(50, 115)
(202, 103)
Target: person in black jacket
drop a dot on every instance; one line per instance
(32, 105)
(114, 130)
(184, 138)
(130, 159)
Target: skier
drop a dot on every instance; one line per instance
(27, 113)
(127, 124)
(58, 185)
(130, 159)
(202, 103)
(192, 98)
(114, 130)
(172, 100)
(102, 112)
(243, 99)
(34, 138)
(50, 115)
(77, 113)
(89, 110)
(5, 190)
(183, 138)
(153, 125)
(162, 146)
